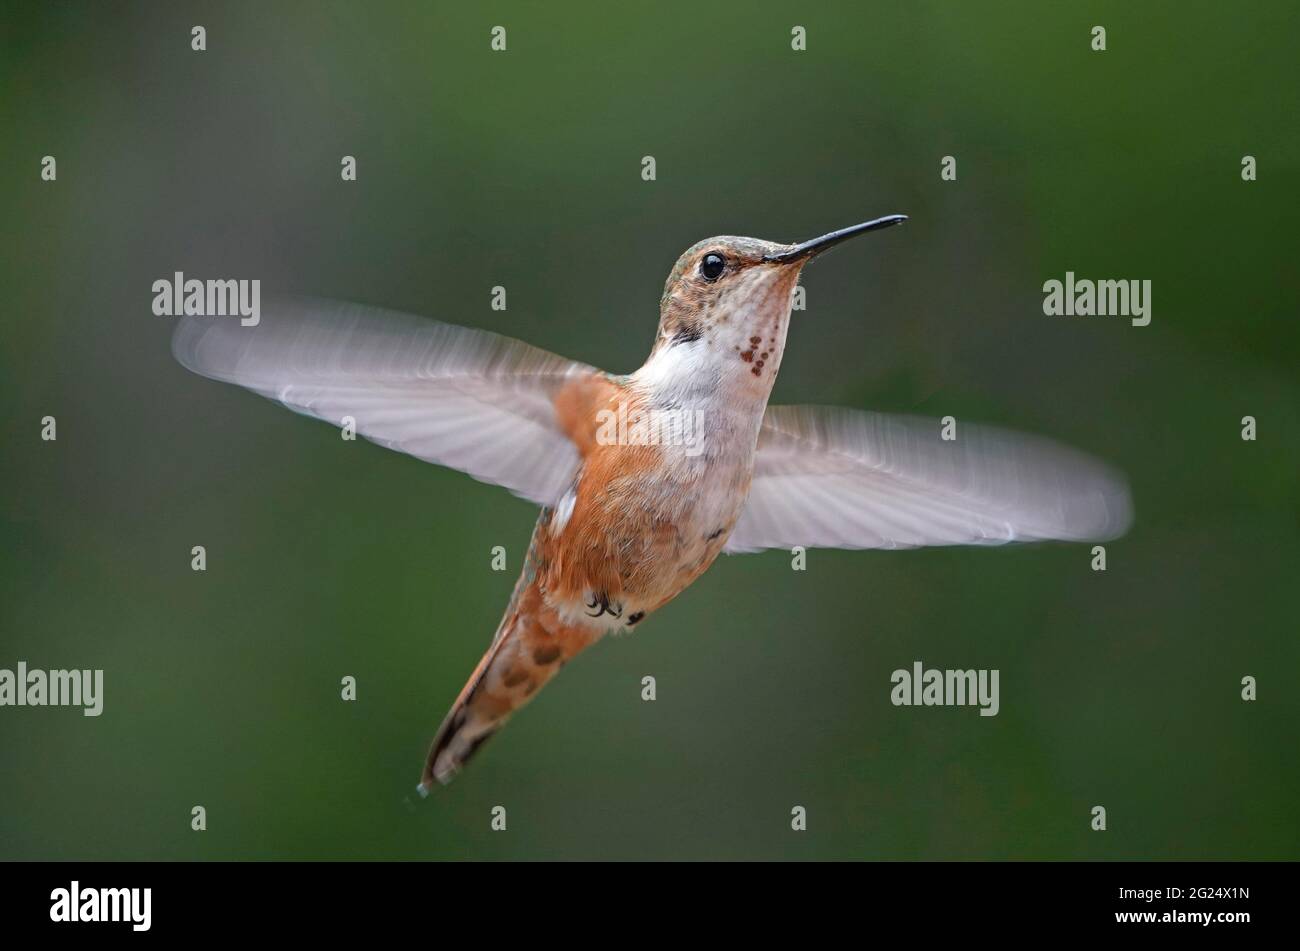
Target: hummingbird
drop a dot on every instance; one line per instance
(632, 514)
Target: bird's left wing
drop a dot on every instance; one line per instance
(467, 399)
(839, 478)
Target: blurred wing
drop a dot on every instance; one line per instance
(839, 478)
(463, 398)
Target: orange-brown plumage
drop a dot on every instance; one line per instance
(530, 647)
(618, 553)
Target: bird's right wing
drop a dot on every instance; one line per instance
(468, 399)
(840, 478)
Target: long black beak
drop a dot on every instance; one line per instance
(818, 245)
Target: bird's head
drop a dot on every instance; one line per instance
(726, 306)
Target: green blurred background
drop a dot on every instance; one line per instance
(522, 168)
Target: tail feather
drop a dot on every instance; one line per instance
(531, 646)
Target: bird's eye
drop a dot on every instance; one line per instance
(712, 265)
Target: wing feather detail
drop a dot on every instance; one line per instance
(837, 478)
(468, 399)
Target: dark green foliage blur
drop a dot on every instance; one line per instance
(328, 558)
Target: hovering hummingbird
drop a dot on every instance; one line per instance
(630, 515)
